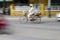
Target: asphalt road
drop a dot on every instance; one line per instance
(48, 29)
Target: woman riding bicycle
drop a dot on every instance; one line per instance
(31, 12)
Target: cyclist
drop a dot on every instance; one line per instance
(31, 12)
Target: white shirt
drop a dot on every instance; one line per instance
(31, 10)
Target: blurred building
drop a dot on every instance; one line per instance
(18, 7)
(5, 6)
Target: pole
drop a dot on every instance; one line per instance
(4, 7)
(36, 3)
(49, 8)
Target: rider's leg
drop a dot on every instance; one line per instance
(29, 17)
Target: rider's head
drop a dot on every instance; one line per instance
(31, 5)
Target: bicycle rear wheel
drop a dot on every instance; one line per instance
(23, 19)
(37, 19)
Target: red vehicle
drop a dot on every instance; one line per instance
(3, 24)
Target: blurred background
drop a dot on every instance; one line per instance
(47, 29)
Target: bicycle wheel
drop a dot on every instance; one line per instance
(23, 19)
(37, 19)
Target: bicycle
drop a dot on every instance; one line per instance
(35, 18)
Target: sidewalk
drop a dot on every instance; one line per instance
(12, 17)
(18, 17)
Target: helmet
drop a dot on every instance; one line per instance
(31, 4)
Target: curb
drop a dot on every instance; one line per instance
(17, 18)
(12, 18)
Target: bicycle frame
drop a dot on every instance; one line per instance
(37, 18)
(33, 16)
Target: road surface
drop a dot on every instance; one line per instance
(46, 30)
